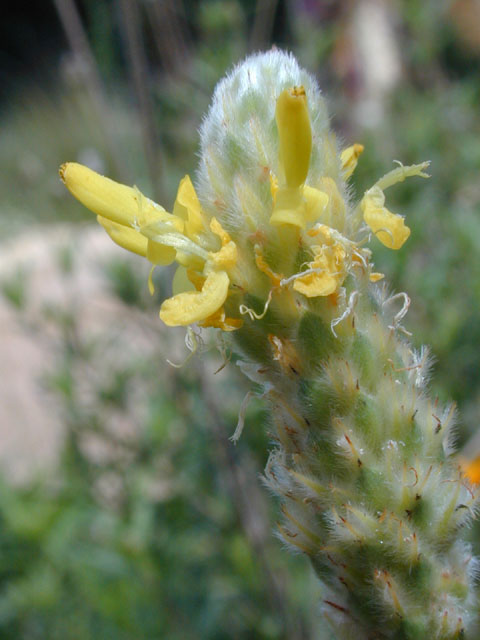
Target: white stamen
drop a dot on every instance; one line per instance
(241, 417)
(193, 342)
(352, 301)
(361, 257)
(252, 313)
(403, 311)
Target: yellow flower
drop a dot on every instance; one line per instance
(109, 199)
(195, 306)
(122, 211)
(219, 320)
(227, 255)
(349, 158)
(389, 227)
(295, 136)
(187, 207)
(138, 224)
(327, 271)
(297, 206)
(183, 238)
(206, 305)
(294, 203)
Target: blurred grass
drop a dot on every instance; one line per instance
(153, 542)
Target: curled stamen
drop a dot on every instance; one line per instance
(352, 301)
(224, 352)
(193, 342)
(253, 315)
(416, 477)
(241, 417)
(403, 311)
(361, 257)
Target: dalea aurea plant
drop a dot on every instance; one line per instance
(273, 250)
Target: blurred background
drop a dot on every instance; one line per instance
(125, 512)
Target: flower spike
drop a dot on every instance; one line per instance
(272, 252)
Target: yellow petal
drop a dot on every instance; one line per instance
(329, 241)
(125, 237)
(217, 228)
(328, 266)
(295, 135)
(349, 158)
(197, 279)
(219, 320)
(375, 276)
(187, 207)
(316, 202)
(389, 227)
(190, 261)
(323, 230)
(159, 253)
(195, 306)
(334, 214)
(226, 257)
(289, 208)
(107, 198)
(316, 284)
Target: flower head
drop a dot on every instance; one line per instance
(271, 219)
